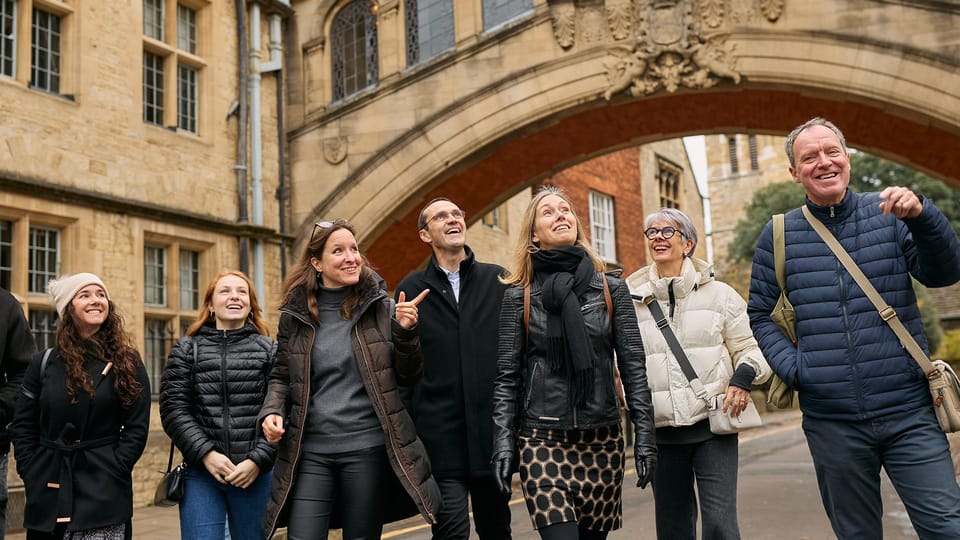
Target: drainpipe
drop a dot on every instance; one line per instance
(276, 65)
(240, 167)
(256, 149)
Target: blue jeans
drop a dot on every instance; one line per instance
(712, 465)
(208, 506)
(848, 456)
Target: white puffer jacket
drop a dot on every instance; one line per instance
(710, 321)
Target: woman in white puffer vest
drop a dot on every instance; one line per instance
(710, 321)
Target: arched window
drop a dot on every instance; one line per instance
(429, 28)
(353, 40)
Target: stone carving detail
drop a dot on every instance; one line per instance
(700, 65)
(620, 19)
(564, 23)
(335, 149)
(593, 25)
(772, 9)
(660, 44)
(743, 11)
(669, 53)
(711, 12)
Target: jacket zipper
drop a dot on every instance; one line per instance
(846, 330)
(226, 395)
(383, 414)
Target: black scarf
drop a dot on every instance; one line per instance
(565, 275)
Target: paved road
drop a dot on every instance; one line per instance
(778, 497)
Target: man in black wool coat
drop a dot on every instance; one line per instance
(452, 403)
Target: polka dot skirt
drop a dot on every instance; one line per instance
(574, 475)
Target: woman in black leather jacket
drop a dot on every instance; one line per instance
(555, 401)
(212, 389)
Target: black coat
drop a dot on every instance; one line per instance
(16, 348)
(217, 407)
(452, 404)
(90, 456)
(527, 394)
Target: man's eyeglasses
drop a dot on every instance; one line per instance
(666, 232)
(440, 217)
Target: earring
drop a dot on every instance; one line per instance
(532, 248)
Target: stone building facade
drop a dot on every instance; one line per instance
(119, 155)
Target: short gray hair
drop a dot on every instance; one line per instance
(682, 222)
(815, 121)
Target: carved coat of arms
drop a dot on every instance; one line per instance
(657, 45)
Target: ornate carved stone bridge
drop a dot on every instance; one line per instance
(572, 79)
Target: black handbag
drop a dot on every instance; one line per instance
(171, 487)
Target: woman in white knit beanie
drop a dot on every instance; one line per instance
(82, 420)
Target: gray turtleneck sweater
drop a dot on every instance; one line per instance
(340, 416)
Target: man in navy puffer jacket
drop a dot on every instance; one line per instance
(865, 401)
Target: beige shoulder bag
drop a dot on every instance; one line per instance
(779, 394)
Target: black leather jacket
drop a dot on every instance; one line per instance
(526, 394)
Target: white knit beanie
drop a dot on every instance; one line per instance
(64, 289)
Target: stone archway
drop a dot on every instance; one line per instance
(758, 75)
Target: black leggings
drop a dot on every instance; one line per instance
(353, 481)
(569, 530)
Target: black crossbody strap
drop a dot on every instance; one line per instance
(675, 346)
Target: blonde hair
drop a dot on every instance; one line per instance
(520, 272)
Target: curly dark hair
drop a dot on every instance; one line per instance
(111, 343)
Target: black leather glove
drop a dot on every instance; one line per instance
(503, 471)
(645, 459)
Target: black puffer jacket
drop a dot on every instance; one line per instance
(217, 407)
(527, 394)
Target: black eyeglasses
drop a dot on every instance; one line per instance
(325, 225)
(440, 217)
(666, 232)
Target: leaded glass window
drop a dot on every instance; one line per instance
(354, 49)
(8, 38)
(497, 12)
(45, 49)
(429, 29)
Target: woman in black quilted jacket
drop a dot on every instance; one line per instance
(212, 389)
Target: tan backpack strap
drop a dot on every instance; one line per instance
(887, 313)
(779, 249)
